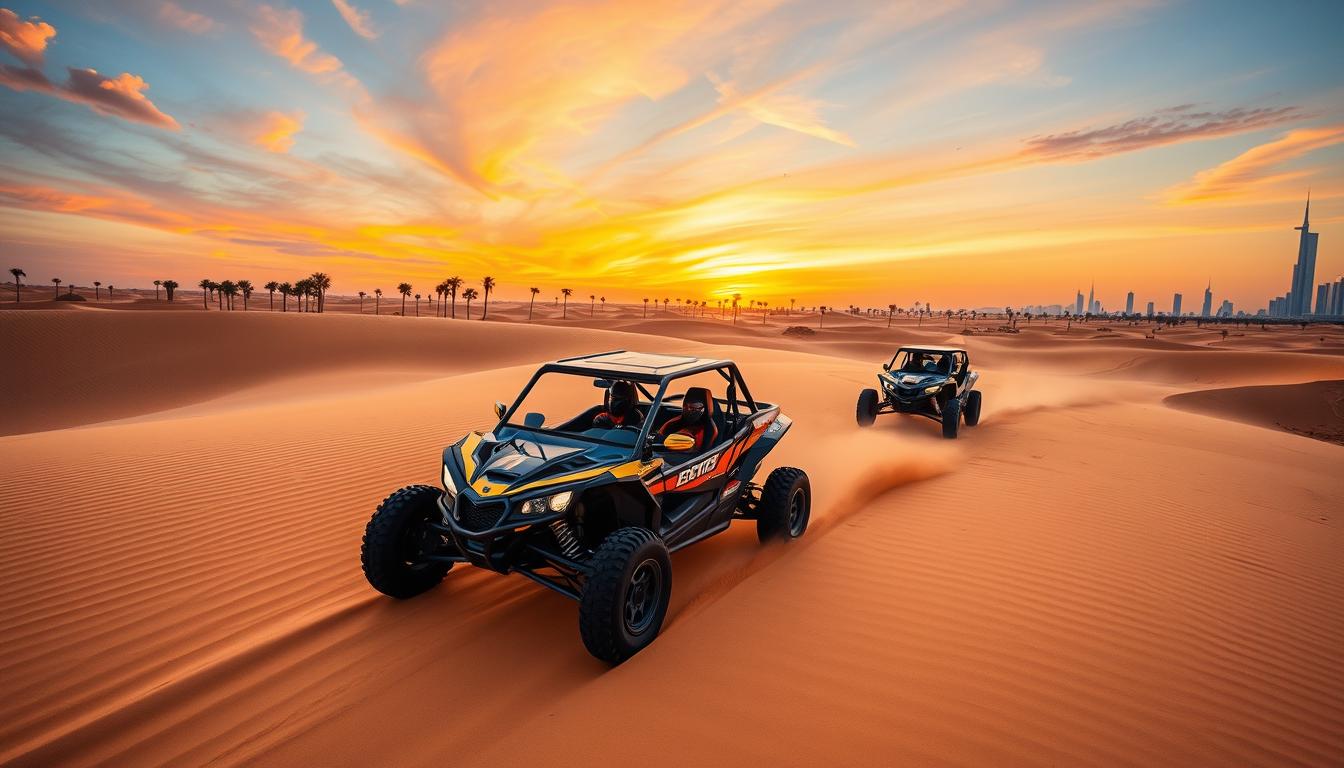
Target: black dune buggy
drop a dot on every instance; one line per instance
(591, 508)
(936, 382)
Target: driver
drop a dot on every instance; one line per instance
(694, 421)
(620, 408)
(917, 362)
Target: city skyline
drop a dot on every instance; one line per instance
(849, 153)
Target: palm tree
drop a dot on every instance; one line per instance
(764, 314)
(321, 282)
(488, 283)
(417, 305)
(246, 287)
(469, 294)
(377, 299)
(361, 301)
(97, 293)
(737, 297)
(405, 290)
(564, 311)
(157, 283)
(270, 288)
(57, 281)
(791, 302)
(441, 290)
(592, 303)
(821, 322)
(205, 291)
(891, 312)
(454, 285)
(646, 307)
(666, 301)
(18, 274)
(228, 289)
(603, 299)
(168, 287)
(109, 291)
(285, 290)
(535, 291)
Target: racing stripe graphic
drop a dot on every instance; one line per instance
(727, 460)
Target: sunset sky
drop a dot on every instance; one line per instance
(969, 154)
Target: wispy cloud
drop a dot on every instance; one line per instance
(784, 110)
(281, 32)
(190, 21)
(24, 40)
(1168, 126)
(1257, 167)
(356, 18)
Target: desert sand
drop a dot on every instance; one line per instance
(1136, 558)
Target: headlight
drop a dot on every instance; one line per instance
(448, 484)
(557, 503)
(934, 388)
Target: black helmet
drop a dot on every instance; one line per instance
(621, 397)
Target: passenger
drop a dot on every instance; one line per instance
(620, 410)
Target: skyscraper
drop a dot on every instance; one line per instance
(1207, 310)
(1078, 304)
(1176, 305)
(1129, 303)
(1150, 309)
(1304, 272)
(1092, 291)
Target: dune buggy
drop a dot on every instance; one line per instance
(590, 508)
(936, 382)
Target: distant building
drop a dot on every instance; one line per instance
(1304, 271)
(1322, 299)
(1176, 305)
(1078, 304)
(1091, 304)
(1337, 298)
(1150, 309)
(1225, 310)
(1207, 310)
(1129, 303)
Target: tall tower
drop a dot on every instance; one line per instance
(1207, 310)
(1091, 306)
(1304, 272)
(1176, 305)
(1129, 303)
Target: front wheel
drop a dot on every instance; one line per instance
(785, 506)
(625, 597)
(398, 539)
(866, 411)
(973, 408)
(951, 417)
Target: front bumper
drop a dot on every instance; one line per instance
(490, 535)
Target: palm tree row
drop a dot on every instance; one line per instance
(167, 285)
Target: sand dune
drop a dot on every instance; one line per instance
(1314, 409)
(1089, 577)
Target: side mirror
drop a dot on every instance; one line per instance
(534, 420)
(601, 383)
(678, 442)
(886, 366)
(500, 409)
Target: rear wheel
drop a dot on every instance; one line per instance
(625, 597)
(785, 505)
(866, 411)
(973, 408)
(951, 417)
(398, 538)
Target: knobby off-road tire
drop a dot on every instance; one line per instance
(866, 411)
(625, 597)
(951, 417)
(972, 415)
(785, 506)
(395, 536)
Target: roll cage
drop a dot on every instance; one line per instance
(644, 371)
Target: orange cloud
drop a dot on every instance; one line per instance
(357, 19)
(1254, 168)
(784, 110)
(121, 96)
(190, 21)
(1169, 126)
(281, 33)
(276, 133)
(24, 40)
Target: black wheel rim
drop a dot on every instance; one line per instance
(417, 540)
(642, 596)
(797, 513)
